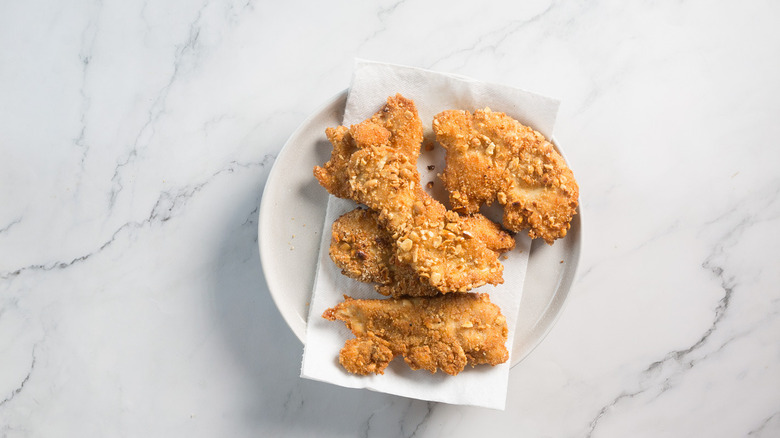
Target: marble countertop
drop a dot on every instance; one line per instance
(136, 138)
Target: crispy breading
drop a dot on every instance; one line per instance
(428, 237)
(384, 176)
(385, 181)
(492, 157)
(361, 248)
(396, 125)
(332, 175)
(445, 332)
(489, 232)
(365, 251)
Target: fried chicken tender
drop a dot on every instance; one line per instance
(492, 157)
(428, 237)
(445, 332)
(396, 125)
(379, 169)
(365, 251)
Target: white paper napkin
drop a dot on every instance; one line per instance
(432, 92)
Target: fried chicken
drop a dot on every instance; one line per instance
(379, 170)
(428, 237)
(365, 251)
(396, 125)
(444, 332)
(492, 157)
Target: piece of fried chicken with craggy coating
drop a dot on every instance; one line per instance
(492, 157)
(428, 237)
(445, 332)
(365, 251)
(396, 124)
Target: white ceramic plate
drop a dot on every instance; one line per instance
(292, 212)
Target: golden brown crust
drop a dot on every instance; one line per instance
(444, 332)
(396, 125)
(361, 248)
(365, 251)
(384, 177)
(332, 175)
(428, 237)
(481, 228)
(492, 157)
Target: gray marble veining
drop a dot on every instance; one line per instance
(136, 138)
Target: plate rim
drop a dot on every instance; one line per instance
(290, 317)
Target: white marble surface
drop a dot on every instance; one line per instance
(136, 137)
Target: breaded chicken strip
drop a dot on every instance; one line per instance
(444, 332)
(428, 237)
(365, 251)
(396, 125)
(491, 156)
(379, 169)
